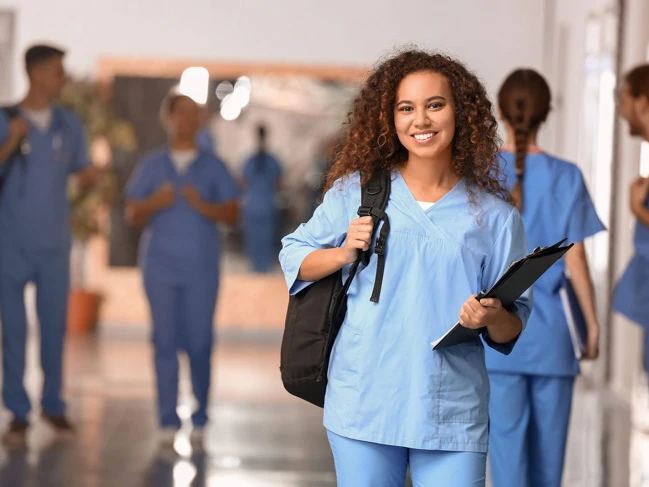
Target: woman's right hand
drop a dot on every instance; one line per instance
(359, 236)
(164, 196)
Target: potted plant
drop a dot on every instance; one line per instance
(90, 204)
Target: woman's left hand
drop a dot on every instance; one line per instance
(478, 314)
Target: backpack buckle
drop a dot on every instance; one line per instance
(379, 246)
(365, 211)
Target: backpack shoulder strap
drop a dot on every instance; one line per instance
(11, 111)
(374, 199)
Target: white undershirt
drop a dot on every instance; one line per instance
(425, 205)
(41, 118)
(182, 159)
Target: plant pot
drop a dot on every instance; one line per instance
(83, 310)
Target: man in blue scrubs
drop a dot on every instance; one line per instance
(39, 148)
(262, 175)
(632, 293)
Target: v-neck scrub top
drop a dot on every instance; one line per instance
(386, 385)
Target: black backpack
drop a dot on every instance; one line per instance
(316, 313)
(11, 112)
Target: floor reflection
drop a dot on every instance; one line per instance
(258, 435)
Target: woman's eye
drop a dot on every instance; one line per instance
(405, 109)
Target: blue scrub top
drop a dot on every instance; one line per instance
(261, 173)
(178, 244)
(556, 205)
(205, 141)
(34, 207)
(632, 292)
(386, 385)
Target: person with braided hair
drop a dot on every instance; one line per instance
(531, 389)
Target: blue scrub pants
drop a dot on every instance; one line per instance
(363, 464)
(646, 351)
(50, 272)
(182, 320)
(259, 240)
(529, 418)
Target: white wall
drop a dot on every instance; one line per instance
(492, 39)
(6, 53)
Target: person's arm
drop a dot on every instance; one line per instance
(17, 131)
(324, 262)
(226, 212)
(582, 224)
(316, 249)
(139, 212)
(638, 195)
(642, 214)
(82, 171)
(577, 265)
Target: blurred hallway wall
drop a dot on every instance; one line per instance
(492, 37)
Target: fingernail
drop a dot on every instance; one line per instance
(483, 302)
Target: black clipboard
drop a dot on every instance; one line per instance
(517, 279)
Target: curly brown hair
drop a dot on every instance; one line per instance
(371, 141)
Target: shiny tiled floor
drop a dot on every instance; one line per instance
(258, 436)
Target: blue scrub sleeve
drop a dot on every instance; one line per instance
(326, 229)
(276, 168)
(80, 156)
(140, 184)
(224, 187)
(584, 221)
(511, 245)
(4, 133)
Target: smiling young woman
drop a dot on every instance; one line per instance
(391, 402)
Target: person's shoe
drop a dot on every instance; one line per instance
(16, 434)
(167, 436)
(61, 425)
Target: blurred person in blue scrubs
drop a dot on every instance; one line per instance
(391, 402)
(531, 389)
(39, 149)
(262, 175)
(178, 195)
(632, 293)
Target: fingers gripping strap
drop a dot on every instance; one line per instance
(373, 203)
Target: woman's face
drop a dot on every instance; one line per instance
(184, 118)
(424, 114)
